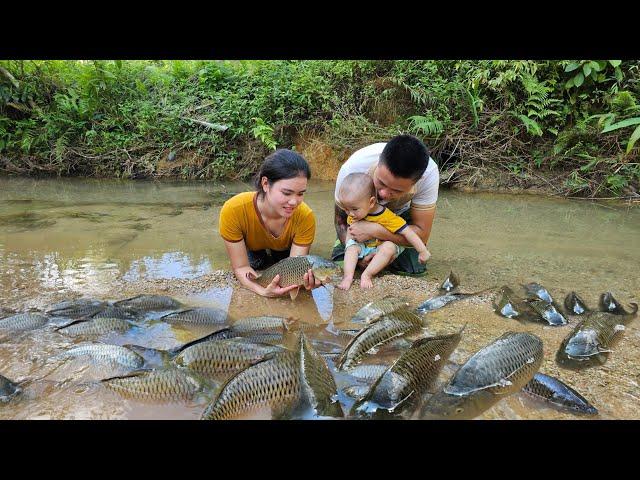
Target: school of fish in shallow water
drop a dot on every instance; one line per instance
(272, 362)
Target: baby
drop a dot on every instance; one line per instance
(357, 197)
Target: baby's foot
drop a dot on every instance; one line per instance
(345, 284)
(365, 281)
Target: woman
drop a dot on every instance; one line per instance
(263, 227)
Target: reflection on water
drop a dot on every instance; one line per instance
(70, 238)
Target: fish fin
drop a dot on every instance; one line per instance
(294, 293)
(135, 373)
(177, 350)
(177, 312)
(126, 300)
(289, 322)
(82, 320)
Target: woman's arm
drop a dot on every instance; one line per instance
(237, 252)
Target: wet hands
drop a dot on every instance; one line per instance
(310, 281)
(275, 290)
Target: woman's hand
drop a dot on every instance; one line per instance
(362, 231)
(275, 290)
(310, 281)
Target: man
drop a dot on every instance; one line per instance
(406, 180)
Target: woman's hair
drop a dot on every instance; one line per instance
(281, 165)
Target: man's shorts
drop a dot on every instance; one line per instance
(406, 263)
(364, 250)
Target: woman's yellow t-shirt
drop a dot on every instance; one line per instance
(240, 220)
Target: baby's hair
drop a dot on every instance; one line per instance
(357, 185)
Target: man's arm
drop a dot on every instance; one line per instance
(340, 222)
(421, 223)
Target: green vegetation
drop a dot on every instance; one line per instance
(568, 126)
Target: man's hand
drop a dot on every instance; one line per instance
(362, 231)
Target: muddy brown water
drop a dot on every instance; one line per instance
(63, 239)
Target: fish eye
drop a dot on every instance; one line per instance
(459, 410)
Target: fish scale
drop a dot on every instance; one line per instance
(274, 381)
(96, 326)
(148, 302)
(201, 316)
(23, 322)
(223, 356)
(415, 370)
(319, 386)
(292, 270)
(401, 322)
(376, 309)
(167, 384)
(107, 354)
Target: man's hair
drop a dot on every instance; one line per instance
(357, 185)
(405, 156)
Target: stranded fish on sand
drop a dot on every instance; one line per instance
(574, 304)
(146, 303)
(501, 368)
(376, 309)
(558, 394)
(450, 283)
(592, 340)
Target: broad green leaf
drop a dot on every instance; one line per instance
(578, 79)
(602, 63)
(595, 65)
(624, 123)
(618, 74)
(571, 67)
(633, 139)
(615, 63)
(586, 68)
(569, 84)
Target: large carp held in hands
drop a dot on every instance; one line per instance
(501, 368)
(293, 269)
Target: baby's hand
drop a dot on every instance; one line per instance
(424, 256)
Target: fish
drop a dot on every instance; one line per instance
(368, 373)
(384, 330)
(223, 356)
(499, 369)
(319, 391)
(116, 312)
(548, 312)
(536, 290)
(273, 381)
(574, 304)
(292, 270)
(558, 394)
(145, 303)
(199, 316)
(413, 372)
(441, 300)
(372, 311)
(23, 321)
(95, 326)
(167, 384)
(263, 324)
(450, 283)
(592, 340)
(8, 389)
(83, 307)
(357, 391)
(111, 355)
(507, 305)
(609, 304)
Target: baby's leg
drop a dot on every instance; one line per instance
(383, 257)
(349, 266)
